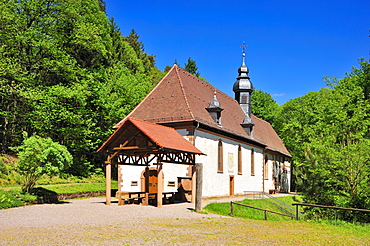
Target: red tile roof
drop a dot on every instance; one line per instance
(181, 96)
(162, 136)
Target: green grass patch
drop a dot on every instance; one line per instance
(342, 229)
(73, 188)
(13, 197)
(250, 213)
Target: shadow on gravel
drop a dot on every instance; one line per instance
(46, 196)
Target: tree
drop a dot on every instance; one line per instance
(66, 72)
(191, 67)
(147, 61)
(328, 133)
(264, 106)
(39, 156)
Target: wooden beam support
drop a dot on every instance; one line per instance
(146, 176)
(126, 148)
(198, 195)
(108, 176)
(193, 186)
(159, 186)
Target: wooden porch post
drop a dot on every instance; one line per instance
(146, 177)
(193, 184)
(159, 185)
(199, 181)
(108, 174)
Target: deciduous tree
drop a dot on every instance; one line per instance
(328, 133)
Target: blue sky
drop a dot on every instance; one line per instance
(291, 44)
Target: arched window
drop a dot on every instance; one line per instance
(220, 166)
(252, 162)
(240, 160)
(266, 168)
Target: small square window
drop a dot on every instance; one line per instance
(171, 183)
(134, 183)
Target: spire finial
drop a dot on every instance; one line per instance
(243, 50)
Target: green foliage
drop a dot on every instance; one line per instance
(25, 197)
(8, 174)
(191, 67)
(4, 169)
(7, 200)
(66, 72)
(263, 105)
(328, 133)
(41, 156)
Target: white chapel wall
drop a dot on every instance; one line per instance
(133, 174)
(214, 183)
(218, 184)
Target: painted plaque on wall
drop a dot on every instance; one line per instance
(231, 162)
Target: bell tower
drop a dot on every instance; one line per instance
(243, 89)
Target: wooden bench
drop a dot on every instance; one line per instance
(131, 197)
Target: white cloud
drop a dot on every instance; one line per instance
(278, 95)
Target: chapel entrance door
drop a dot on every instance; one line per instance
(231, 185)
(153, 181)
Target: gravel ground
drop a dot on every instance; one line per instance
(91, 222)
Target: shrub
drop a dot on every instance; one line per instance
(7, 200)
(40, 156)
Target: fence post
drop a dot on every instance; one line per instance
(265, 214)
(335, 219)
(296, 212)
(231, 208)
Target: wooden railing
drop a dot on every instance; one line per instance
(261, 209)
(324, 206)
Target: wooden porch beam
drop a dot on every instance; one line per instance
(126, 148)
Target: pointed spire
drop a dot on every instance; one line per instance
(243, 83)
(243, 53)
(243, 89)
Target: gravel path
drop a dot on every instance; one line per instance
(82, 222)
(91, 222)
(92, 211)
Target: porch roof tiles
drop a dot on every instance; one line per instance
(162, 136)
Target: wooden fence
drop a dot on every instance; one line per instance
(261, 209)
(329, 207)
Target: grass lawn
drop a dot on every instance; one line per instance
(320, 232)
(13, 197)
(72, 188)
(249, 213)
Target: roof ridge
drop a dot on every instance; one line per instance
(183, 92)
(141, 102)
(146, 122)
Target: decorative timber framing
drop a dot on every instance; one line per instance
(140, 143)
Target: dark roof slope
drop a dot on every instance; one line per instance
(181, 96)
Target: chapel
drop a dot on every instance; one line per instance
(239, 152)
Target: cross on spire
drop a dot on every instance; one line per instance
(243, 48)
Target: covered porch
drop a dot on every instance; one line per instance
(141, 143)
